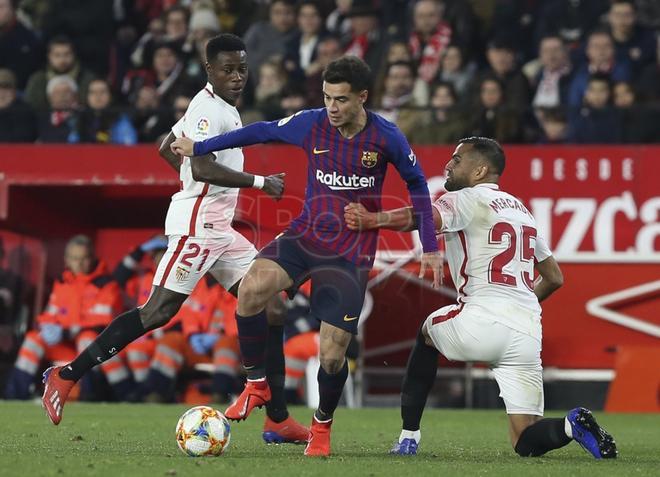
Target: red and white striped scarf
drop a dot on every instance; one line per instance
(429, 57)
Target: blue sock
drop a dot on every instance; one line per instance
(252, 337)
(330, 388)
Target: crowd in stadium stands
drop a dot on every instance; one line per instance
(157, 367)
(544, 71)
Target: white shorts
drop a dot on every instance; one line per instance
(469, 333)
(187, 259)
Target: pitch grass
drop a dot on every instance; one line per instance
(122, 440)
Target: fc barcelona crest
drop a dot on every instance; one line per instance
(369, 158)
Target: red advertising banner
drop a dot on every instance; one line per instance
(598, 206)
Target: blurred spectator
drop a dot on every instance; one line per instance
(397, 103)
(640, 124)
(11, 302)
(166, 75)
(501, 55)
(83, 301)
(144, 47)
(429, 38)
(181, 104)
(150, 120)
(20, 50)
(600, 58)
(493, 118)
(648, 82)
(338, 22)
(596, 122)
(61, 61)
(301, 48)
(90, 24)
(101, 123)
(446, 124)
(266, 39)
(631, 40)
(365, 39)
(327, 50)
(554, 126)
(60, 124)
(268, 93)
(203, 26)
(17, 120)
(176, 20)
(454, 70)
(570, 19)
(552, 79)
(293, 100)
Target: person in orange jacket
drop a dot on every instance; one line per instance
(208, 334)
(136, 277)
(82, 303)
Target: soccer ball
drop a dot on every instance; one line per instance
(203, 430)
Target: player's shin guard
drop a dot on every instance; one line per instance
(121, 331)
(276, 407)
(252, 336)
(417, 383)
(541, 437)
(330, 388)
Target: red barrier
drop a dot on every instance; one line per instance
(598, 206)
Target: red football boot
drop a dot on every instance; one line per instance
(319, 438)
(55, 393)
(255, 394)
(288, 431)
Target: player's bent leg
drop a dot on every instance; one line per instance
(263, 280)
(332, 376)
(417, 383)
(127, 327)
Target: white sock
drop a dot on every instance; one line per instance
(417, 435)
(567, 428)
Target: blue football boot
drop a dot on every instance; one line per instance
(407, 446)
(593, 438)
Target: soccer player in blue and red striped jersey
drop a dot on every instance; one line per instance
(348, 149)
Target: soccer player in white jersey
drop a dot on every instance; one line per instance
(200, 235)
(493, 248)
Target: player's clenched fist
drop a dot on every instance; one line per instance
(274, 185)
(357, 217)
(183, 146)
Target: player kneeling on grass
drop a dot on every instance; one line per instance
(493, 249)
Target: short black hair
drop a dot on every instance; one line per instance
(600, 77)
(348, 69)
(489, 149)
(406, 64)
(223, 42)
(61, 40)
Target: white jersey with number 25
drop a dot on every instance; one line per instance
(492, 244)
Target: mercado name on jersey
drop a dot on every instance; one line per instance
(339, 171)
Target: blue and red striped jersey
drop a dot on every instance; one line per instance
(340, 171)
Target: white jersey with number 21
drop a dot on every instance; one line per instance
(200, 209)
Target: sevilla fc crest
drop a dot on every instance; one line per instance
(369, 158)
(181, 274)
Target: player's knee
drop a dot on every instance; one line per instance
(332, 365)
(157, 316)
(252, 292)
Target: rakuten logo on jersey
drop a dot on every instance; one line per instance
(338, 182)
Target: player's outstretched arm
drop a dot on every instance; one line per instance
(357, 217)
(551, 278)
(205, 169)
(165, 151)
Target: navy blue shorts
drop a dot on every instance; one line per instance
(338, 285)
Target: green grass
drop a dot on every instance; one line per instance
(126, 440)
